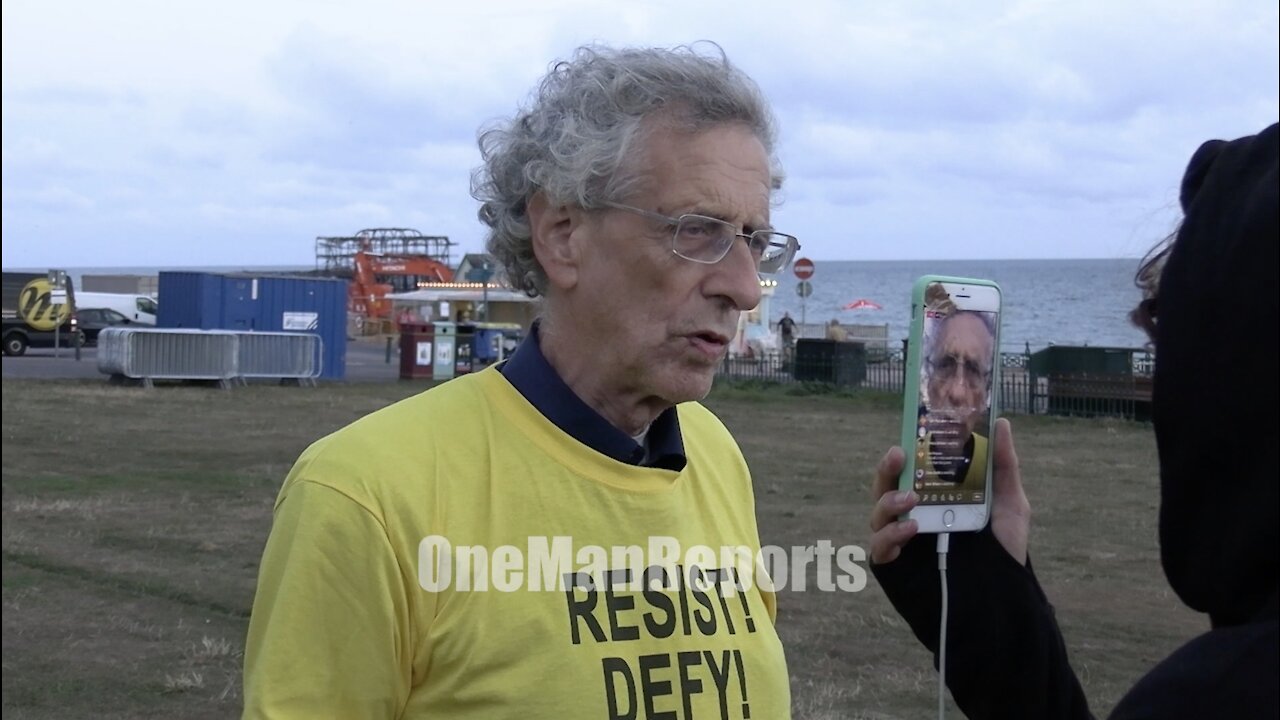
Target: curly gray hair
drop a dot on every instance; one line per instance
(575, 139)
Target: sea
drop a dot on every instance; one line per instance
(1061, 302)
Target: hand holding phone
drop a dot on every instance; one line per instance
(1010, 509)
(949, 402)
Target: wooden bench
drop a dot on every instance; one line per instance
(1083, 394)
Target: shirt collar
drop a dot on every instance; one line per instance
(533, 377)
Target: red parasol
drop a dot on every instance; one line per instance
(863, 304)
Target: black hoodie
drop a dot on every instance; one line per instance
(1215, 410)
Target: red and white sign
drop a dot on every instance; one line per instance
(803, 268)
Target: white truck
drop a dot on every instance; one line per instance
(138, 308)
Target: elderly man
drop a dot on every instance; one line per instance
(958, 362)
(457, 554)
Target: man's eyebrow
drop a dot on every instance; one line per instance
(747, 228)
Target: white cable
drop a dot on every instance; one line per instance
(944, 543)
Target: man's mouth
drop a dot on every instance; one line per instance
(710, 343)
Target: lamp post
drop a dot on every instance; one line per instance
(482, 274)
(58, 296)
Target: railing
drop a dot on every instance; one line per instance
(287, 356)
(150, 354)
(175, 354)
(1091, 395)
(1020, 390)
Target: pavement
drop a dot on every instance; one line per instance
(366, 362)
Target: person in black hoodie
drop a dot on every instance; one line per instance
(1211, 309)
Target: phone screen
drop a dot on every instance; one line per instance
(953, 419)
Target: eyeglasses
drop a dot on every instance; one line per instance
(708, 240)
(948, 367)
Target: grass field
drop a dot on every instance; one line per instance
(133, 522)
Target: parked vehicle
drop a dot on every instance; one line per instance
(138, 308)
(36, 314)
(92, 321)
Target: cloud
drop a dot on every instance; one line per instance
(237, 133)
(52, 199)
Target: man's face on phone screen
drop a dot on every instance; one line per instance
(959, 374)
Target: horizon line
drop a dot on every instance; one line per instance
(38, 268)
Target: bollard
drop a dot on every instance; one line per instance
(388, 349)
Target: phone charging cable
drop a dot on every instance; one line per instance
(944, 542)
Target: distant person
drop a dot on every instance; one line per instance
(787, 327)
(633, 195)
(957, 368)
(835, 332)
(1215, 332)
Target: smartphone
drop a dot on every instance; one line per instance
(949, 402)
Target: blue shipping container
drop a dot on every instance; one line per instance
(262, 303)
(311, 305)
(191, 300)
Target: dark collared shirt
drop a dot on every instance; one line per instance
(533, 377)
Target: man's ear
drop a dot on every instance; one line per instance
(552, 229)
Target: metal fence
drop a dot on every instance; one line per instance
(223, 356)
(172, 354)
(1020, 389)
(287, 356)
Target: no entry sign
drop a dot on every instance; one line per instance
(803, 268)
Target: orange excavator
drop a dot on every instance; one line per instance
(377, 275)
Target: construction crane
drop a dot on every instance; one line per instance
(377, 275)
(381, 261)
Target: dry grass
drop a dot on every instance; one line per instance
(134, 520)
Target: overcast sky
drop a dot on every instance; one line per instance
(234, 132)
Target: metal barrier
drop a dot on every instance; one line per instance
(113, 351)
(151, 354)
(169, 354)
(287, 356)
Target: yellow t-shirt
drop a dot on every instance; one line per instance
(349, 623)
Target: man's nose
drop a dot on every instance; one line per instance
(957, 390)
(736, 278)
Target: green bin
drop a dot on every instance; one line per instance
(1071, 360)
(830, 361)
(446, 339)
